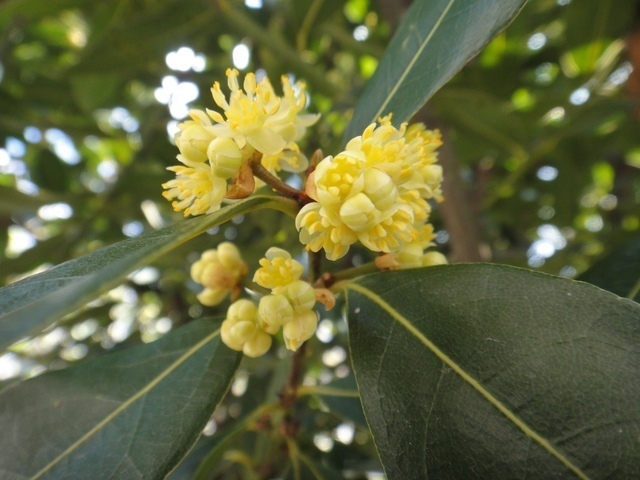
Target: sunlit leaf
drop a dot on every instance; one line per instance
(130, 414)
(434, 41)
(33, 303)
(485, 371)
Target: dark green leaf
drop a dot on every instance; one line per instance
(486, 371)
(341, 397)
(618, 272)
(52, 173)
(31, 304)
(220, 444)
(434, 41)
(313, 469)
(130, 414)
(94, 90)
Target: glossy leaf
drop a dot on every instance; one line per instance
(341, 398)
(130, 414)
(485, 371)
(31, 304)
(433, 42)
(618, 272)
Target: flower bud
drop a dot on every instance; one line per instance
(227, 338)
(242, 331)
(301, 295)
(380, 188)
(215, 275)
(198, 267)
(242, 310)
(257, 345)
(275, 310)
(359, 213)
(432, 178)
(275, 252)
(432, 174)
(434, 258)
(225, 157)
(410, 256)
(193, 141)
(229, 255)
(269, 328)
(211, 297)
(278, 269)
(219, 271)
(299, 330)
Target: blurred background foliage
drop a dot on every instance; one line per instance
(542, 155)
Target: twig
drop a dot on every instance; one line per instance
(289, 394)
(278, 185)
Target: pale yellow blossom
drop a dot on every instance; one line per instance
(257, 116)
(278, 269)
(219, 271)
(196, 189)
(291, 302)
(194, 136)
(299, 330)
(216, 147)
(241, 330)
(374, 192)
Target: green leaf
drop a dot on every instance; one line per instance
(486, 371)
(433, 42)
(94, 90)
(28, 306)
(222, 441)
(341, 398)
(130, 414)
(13, 202)
(618, 272)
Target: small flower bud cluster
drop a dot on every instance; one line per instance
(375, 192)
(248, 328)
(214, 148)
(291, 302)
(240, 330)
(413, 255)
(220, 271)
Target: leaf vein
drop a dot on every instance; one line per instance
(414, 59)
(543, 442)
(184, 357)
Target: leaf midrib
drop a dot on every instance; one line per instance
(526, 429)
(414, 59)
(147, 388)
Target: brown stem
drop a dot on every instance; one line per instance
(315, 266)
(278, 185)
(289, 393)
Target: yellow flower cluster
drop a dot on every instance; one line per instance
(248, 328)
(214, 148)
(240, 330)
(375, 192)
(412, 254)
(219, 270)
(291, 302)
